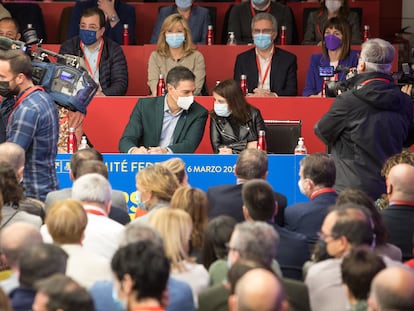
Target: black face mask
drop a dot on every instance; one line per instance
(319, 252)
(6, 91)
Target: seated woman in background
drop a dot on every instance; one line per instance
(198, 19)
(175, 48)
(234, 123)
(331, 8)
(336, 50)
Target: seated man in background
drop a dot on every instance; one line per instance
(104, 58)
(9, 28)
(270, 71)
(173, 123)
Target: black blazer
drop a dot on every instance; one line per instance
(283, 79)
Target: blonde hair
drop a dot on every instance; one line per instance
(194, 201)
(159, 180)
(162, 46)
(174, 226)
(66, 221)
(177, 167)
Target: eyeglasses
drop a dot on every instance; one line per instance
(324, 236)
(229, 248)
(267, 31)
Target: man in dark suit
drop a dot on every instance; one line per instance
(259, 205)
(227, 199)
(270, 71)
(167, 124)
(317, 177)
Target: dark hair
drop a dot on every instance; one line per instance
(65, 294)
(92, 11)
(240, 268)
(13, 20)
(231, 91)
(358, 268)
(251, 163)
(10, 188)
(179, 73)
(258, 197)
(147, 265)
(90, 166)
(19, 62)
(216, 236)
(320, 168)
(360, 198)
(84, 154)
(342, 25)
(40, 261)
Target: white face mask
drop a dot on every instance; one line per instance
(222, 109)
(333, 6)
(185, 102)
(300, 186)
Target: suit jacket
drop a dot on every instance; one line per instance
(227, 200)
(145, 125)
(307, 217)
(399, 220)
(283, 79)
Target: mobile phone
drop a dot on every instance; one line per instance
(326, 71)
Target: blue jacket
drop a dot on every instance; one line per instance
(314, 82)
(198, 23)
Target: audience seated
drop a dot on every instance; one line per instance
(336, 52)
(241, 16)
(104, 58)
(234, 123)
(117, 13)
(175, 48)
(9, 28)
(198, 19)
(328, 9)
(66, 222)
(227, 199)
(317, 177)
(270, 70)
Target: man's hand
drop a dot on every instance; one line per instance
(157, 150)
(407, 89)
(225, 150)
(257, 92)
(108, 7)
(139, 150)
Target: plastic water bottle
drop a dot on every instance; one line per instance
(261, 141)
(366, 33)
(161, 86)
(243, 84)
(232, 39)
(84, 143)
(72, 142)
(283, 35)
(300, 147)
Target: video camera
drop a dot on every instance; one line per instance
(66, 80)
(405, 77)
(334, 88)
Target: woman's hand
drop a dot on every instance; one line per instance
(225, 150)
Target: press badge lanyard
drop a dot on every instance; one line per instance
(26, 93)
(92, 73)
(261, 76)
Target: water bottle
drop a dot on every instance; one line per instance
(210, 35)
(232, 39)
(283, 35)
(243, 84)
(366, 33)
(84, 143)
(300, 147)
(125, 35)
(72, 142)
(261, 141)
(161, 86)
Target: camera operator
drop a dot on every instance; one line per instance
(368, 123)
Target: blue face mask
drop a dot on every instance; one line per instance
(262, 40)
(183, 4)
(222, 110)
(258, 2)
(88, 37)
(140, 204)
(119, 303)
(174, 40)
(332, 42)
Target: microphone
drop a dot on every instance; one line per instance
(9, 44)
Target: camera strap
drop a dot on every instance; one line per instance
(374, 79)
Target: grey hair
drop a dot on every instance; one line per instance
(92, 188)
(256, 240)
(267, 17)
(377, 54)
(13, 154)
(137, 231)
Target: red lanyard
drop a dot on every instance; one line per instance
(26, 93)
(148, 308)
(95, 212)
(254, 11)
(401, 203)
(261, 76)
(320, 191)
(92, 73)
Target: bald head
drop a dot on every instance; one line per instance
(14, 155)
(15, 237)
(392, 289)
(259, 289)
(400, 182)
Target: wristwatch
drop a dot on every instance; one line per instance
(114, 18)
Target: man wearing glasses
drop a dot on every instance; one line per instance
(270, 71)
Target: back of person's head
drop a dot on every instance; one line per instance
(320, 168)
(16, 237)
(358, 268)
(175, 227)
(216, 237)
(159, 180)
(258, 200)
(92, 188)
(400, 182)
(91, 166)
(378, 55)
(20, 63)
(10, 188)
(392, 290)
(195, 202)
(256, 240)
(66, 221)
(39, 261)
(267, 17)
(177, 167)
(92, 11)
(251, 163)
(137, 231)
(238, 269)
(342, 25)
(169, 23)
(179, 73)
(144, 266)
(405, 156)
(13, 154)
(62, 293)
(83, 154)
